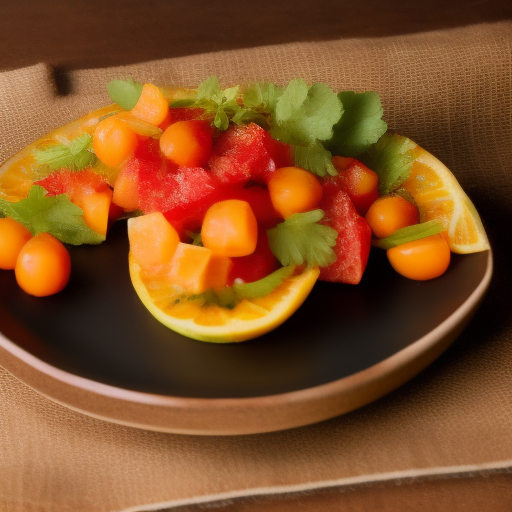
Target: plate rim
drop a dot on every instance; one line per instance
(238, 416)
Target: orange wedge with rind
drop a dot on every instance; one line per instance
(213, 323)
(440, 197)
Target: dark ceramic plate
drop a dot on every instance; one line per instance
(95, 348)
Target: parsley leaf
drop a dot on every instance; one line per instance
(74, 155)
(409, 234)
(316, 159)
(221, 105)
(301, 240)
(125, 93)
(56, 215)
(305, 114)
(360, 126)
(391, 158)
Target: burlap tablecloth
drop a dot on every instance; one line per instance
(441, 442)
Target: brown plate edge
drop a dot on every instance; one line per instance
(239, 416)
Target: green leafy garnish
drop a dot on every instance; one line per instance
(316, 159)
(74, 155)
(409, 234)
(56, 215)
(305, 114)
(301, 240)
(220, 104)
(263, 286)
(125, 93)
(360, 126)
(391, 158)
(229, 297)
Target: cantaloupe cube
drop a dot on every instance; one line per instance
(196, 269)
(96, 207)
(153, 241)
(126, 188)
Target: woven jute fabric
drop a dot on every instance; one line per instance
(451, 91)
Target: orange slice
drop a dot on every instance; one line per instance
(248, 319)
(440, 197)
(18, 173)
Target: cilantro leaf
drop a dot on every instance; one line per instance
(221, 105)
(391, 158)
(125, 93)
(409, 234)
(56, 215)
(301, 240)
(75, 155)
(316, 159)
(304, 114)
(360, 126)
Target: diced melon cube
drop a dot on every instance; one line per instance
(196, 269)
(126, 188)
(96, 207)
(153, 241)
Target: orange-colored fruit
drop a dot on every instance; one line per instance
(440, 197)
(153, 242)
(126, 188)
(43, 266)
(96, 208)
(390, 213)
(195, 269)
(13, 236)
(152, 106)
(426, 258)
(187, 143)
(248, 319)
(230, 228)
(113, 141)
(294, 190)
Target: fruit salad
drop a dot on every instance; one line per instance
(236, 200)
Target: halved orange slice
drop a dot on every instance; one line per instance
(440, 197)
(248, 319)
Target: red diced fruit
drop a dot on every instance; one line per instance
(257, 265)
(185, 114)
(359, 181)
(248, 153)
(187, 143)
(354, 236)
(294, 190)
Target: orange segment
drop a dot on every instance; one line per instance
(18, 173)
(440, 197)
(248, 319)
